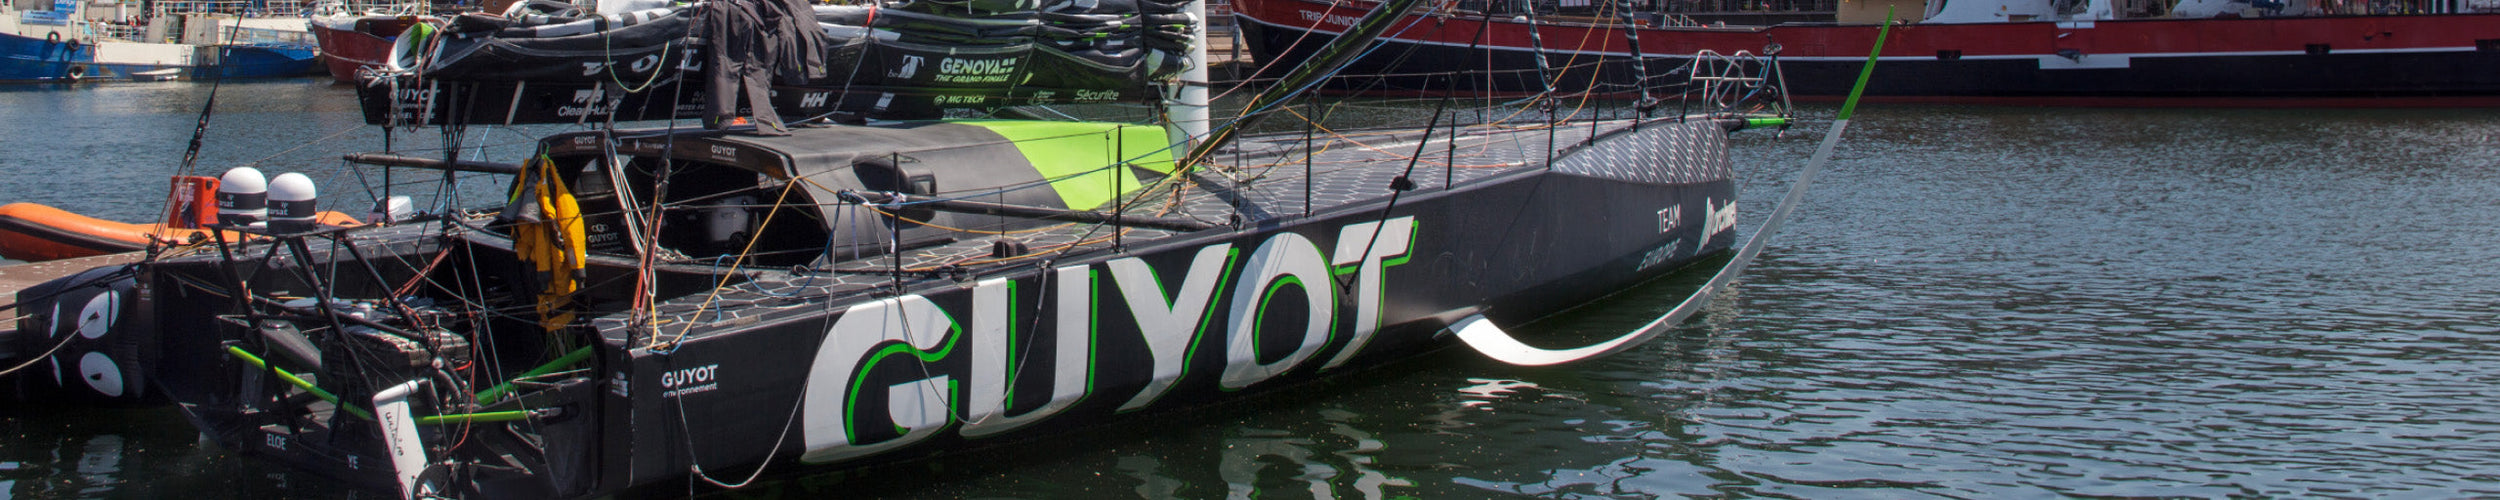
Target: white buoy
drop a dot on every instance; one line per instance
(291, 203)
(242, 196)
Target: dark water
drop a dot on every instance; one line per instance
(1977, 303)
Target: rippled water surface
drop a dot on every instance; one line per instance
(1976, 303)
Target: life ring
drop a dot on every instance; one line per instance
(77, 72)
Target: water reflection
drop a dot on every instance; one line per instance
(1340, 464)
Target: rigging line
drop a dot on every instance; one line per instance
(708, 298)
(1640, 64)
(1404, 181)
(56, 348)
(900, 216)
(303, 145)
(645, 305)
(1537, 39)
(1332, 59)
(1452, 141)
(485, 328)
(1489, 339)
(126, 269)
(608, 53)
(1307, 32)
(695, 463)
(199, 131)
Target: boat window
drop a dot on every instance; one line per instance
(603, 224)
(708, 212)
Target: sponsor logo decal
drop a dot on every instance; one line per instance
(1660, 255)
(589, 102)
(685, 381)
(1290, 298)
(1083, 95)
(994, 70)
(909, 68)
(1716, 218)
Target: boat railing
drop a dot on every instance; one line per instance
(271, 37)
(371, 8)
(246, 8)
(111, 31)
(1721, 82)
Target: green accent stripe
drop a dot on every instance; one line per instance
(464, 418)
(1075, 153)
(1867, 71)
(489, 396)
(307, 386)
(299, 382)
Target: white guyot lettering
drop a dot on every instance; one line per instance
(1172, 318)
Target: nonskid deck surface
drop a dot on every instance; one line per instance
(1260, 182)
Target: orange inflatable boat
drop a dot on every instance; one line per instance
(36, 232)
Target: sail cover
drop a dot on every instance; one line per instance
(896, 61)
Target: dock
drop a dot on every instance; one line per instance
(19, 277)
(1227, 60)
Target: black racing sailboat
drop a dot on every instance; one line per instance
(880, 268)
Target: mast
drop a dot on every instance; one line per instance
(1188, 111)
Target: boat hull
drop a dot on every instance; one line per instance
(265, 61)
(2448, 58)
(1170, 322)
(30, 59)
(352, 44)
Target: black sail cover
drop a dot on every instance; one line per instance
(727, 58)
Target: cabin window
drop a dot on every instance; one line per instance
(708, 212)
(603, 224)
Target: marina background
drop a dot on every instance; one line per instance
(1976, 302)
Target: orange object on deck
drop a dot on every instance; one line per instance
(36, 232)
(193, 202)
